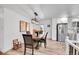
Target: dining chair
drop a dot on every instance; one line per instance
(28, 43)
(44, 39)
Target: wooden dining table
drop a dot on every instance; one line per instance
(36, 39)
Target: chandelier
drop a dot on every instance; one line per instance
(35, 20)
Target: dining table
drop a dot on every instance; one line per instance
(37, 40)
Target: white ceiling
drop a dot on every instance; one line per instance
(59, 10)
(45, 11)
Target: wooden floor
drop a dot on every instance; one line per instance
(53, 48)
(1, 53)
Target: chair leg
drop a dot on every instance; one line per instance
(32, 50)
(24, 50)
(37, 46)
(45, 44)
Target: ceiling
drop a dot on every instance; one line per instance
(60, 10)
(45, 11)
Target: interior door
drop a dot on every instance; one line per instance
(62, 32)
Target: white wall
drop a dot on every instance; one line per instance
(1, 28)
(52, 29)
(75, 19)
(47, 29)
(62, 20)
(54, 23)
(11, 27)
(36, 26)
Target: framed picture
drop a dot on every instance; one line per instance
(23, 26)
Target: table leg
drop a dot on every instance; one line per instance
(37, 46)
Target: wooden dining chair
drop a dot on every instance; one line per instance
(44, 40)
(28, 43)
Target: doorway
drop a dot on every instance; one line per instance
(61, 32)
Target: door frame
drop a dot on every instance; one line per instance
(57, 29)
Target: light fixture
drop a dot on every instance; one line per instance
(35, 20)
(35, 14)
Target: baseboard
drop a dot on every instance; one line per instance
(49, 38)
(5, 50)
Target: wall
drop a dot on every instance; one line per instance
(54, 22)
(62, 20)
(1, 28)
(11, 27)
(47, 29)
(52, 29)
(36, 26)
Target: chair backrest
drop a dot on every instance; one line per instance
(46, 35)
(27, 39)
